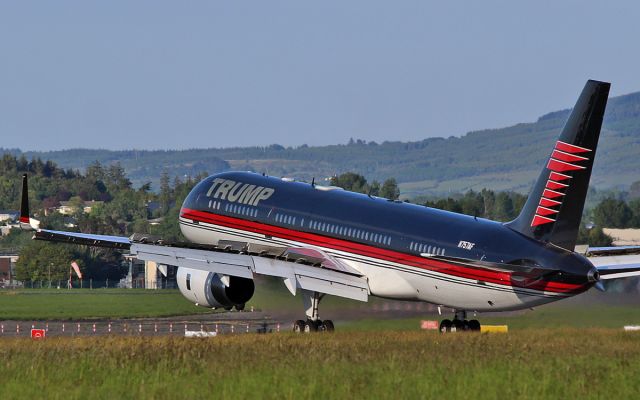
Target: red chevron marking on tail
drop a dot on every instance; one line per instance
(571, 148)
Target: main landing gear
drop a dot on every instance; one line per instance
(459, 323)
(313, 323)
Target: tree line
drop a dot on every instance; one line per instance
(121, 209)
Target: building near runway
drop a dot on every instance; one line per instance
(8, 261)
(148, 275)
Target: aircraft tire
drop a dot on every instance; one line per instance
(299, 326)
(328, 325)
(445, 326)
(474, 325)
(459, 325)
(311, 326)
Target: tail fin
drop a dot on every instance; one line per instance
(26, 222)
(553, 210)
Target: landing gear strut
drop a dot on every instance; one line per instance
(313, 323)
(459, 323)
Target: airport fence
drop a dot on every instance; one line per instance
(90, 284)
(138, 328)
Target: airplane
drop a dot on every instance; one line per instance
(323, 240)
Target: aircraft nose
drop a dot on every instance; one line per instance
(593, 275)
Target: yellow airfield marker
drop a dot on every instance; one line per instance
(494, 328)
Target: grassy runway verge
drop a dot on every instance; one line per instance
(529, 364)
(45, 304)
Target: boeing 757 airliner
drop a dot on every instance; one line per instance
(325, 240)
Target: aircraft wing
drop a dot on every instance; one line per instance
(300, 268)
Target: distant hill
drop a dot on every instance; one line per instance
(501, 159)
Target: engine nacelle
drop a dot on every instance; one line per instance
(207, 289)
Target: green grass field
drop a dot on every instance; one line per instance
(546, 317)
(574, 349)
(529, 364)
(48, 304)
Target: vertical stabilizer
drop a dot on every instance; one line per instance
(553, 210)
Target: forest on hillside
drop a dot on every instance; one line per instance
(499, 159)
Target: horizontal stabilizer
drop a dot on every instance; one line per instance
(617, 266)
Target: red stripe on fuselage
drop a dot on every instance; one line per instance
(501, 278)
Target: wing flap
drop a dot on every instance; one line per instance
(206, 260)
(314, 278)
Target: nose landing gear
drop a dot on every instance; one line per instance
(459, 323)
(313, 323)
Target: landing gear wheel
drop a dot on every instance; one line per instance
(311, 326)
(474, 325)
(458, 326)
(240, 307)
(328, 325)
(445, 326)
(299, 326)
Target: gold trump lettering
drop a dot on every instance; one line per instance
(238, 192)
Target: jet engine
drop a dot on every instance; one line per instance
(208, 289)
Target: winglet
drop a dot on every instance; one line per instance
(26, 222)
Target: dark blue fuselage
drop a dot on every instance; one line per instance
(392, 225)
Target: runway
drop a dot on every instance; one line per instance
(221, 323)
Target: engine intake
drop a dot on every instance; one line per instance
(207, 289)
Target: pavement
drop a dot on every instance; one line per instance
(222, 323)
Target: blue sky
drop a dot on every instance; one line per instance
(172, 75)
